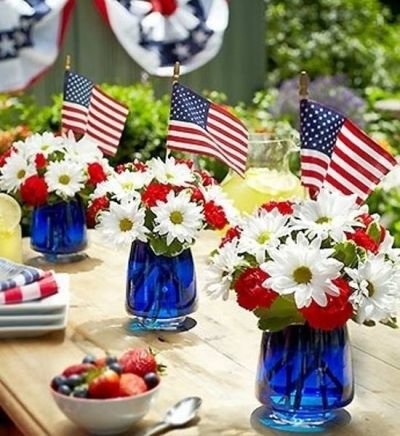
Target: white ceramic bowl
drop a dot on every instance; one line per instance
(109, 416)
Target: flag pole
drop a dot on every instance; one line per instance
(67, 62)
(304, 83)
(176, 73)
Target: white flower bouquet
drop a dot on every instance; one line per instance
(164, 204)
(320, 262)
(45, 169)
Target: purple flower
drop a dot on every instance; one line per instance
(327, 90)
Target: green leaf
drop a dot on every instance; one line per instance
(346, 252)
(160, 247)
(374, 231)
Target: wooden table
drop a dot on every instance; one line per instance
(216, 360)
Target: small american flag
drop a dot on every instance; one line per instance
(105, 121)
(77, 92)
(338, 155)
(200, 126)
(88, 110)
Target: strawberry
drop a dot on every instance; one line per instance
(139, 361)
(105, 385)
(131, 384)
(79, 368)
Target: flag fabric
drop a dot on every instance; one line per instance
(156, 34)
(88, 110)
(43, 288)
(31, 35)
(200, 126)
(105, 121)
(337, 154)
(77, 92)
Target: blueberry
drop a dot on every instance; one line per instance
(80, 392)
(58, 381)
(110, 360)
(116, 367)
(151, 379)
(89, 359)
(64, 389)
(74, 380)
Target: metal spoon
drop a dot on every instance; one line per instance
(177, 416)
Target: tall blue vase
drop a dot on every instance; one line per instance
(161, 290)
(58, 231)
(304, 377)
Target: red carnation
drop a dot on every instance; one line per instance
(366, 219)
(249, 290)
(5, 155)
(230, 235)
(362, 239)
(215, 215)
(34, 191)
(40, 161)
(155, 192)
(97, 206)
(96, 173)
(188, 162)
(197, 195)
(284, 207)
(120, 168)
(140, 166)
(335, 314)
(206, 179)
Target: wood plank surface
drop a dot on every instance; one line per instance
(215, 360)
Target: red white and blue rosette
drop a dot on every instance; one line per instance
(31, 33)
(158, 33)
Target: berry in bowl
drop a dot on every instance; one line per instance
(109, 394)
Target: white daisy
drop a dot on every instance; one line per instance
(14, 172)
(123, 223)
(304, 269)
(375, 285)
(387, 248)
(65, 178)
(171, 172)
(220, 271)
(331, 214)
(177, 218)
(85, 150)
(262, 232)
(44, 143)
(126, 184)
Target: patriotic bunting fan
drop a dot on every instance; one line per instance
(31, 32)
(158, 33)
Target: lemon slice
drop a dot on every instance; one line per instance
(10, 213)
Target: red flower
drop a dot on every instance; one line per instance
(140, 166)
(230, 235)
(249, 290)
(206, 179)
(362, 239)
(155, 192)
(40, 161)
(120, 168)
(96, 173)
(197, 195)
(188, 162)
(335, 314)
(5, 155)
(97, 205)
(284, 207)
(34, 191)
(215, 215)
(366, 219)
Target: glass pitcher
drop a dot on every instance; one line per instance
(267, 176)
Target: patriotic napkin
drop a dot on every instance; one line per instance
(20, 283)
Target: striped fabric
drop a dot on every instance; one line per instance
(13, 275)
(37, 290)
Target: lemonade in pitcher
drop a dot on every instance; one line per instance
(10, 229)
(267, 176)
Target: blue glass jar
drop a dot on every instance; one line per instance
(304, 377)
(58, 231)
(161, 290)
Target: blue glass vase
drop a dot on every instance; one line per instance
(58, 231)
(161, 290)
(304, 377)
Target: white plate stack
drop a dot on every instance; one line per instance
(36, 318)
